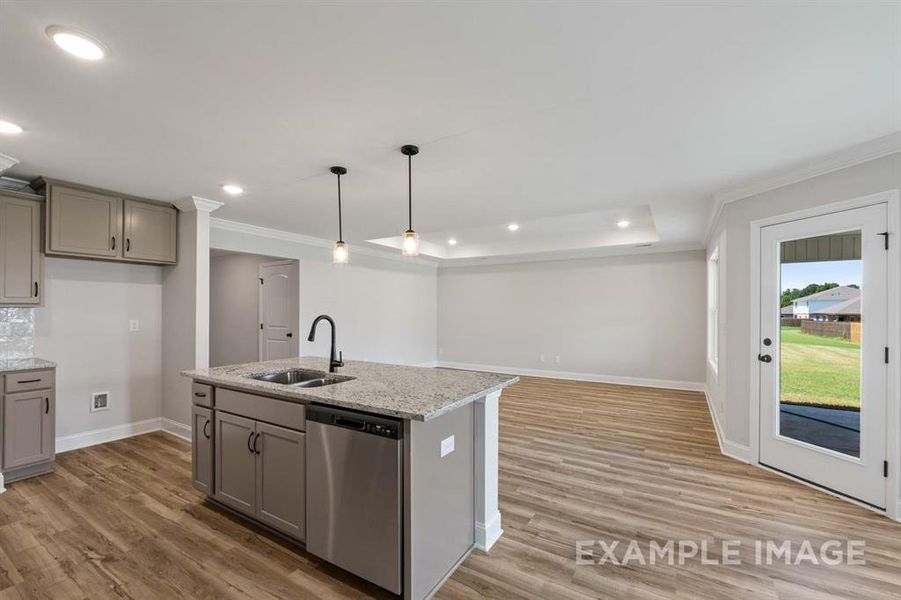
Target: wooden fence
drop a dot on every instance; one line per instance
(842, 329)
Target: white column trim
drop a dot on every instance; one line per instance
(197, 203)
(488, 517)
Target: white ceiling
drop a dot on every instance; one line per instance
(523, 112)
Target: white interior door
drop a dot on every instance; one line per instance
(823, 352)
(279, 314)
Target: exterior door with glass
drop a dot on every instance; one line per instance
(823, 350)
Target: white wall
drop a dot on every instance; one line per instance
(234, 308)
(84, 328)
(618, 318)
(860, 180)
(385, 309)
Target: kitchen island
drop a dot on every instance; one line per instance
(385, 470)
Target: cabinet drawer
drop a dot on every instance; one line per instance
(279, 412)
(29, 380)
(202, 394)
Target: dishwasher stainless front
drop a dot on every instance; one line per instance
(355, 493)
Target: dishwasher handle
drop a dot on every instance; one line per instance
(349, 423)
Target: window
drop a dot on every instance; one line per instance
(713, 306)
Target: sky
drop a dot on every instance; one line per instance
(799, 275)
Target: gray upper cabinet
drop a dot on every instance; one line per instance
(83, 223)
(281, 492)
(87, 222)
(150, 232)
(21, 263)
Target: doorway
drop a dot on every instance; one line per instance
(238, 317)
(823, 350)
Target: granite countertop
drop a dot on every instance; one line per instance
(416, 393)
(8, 365)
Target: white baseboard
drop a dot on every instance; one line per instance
(488, 533)
(102, 436)
(175, 428)
(429, 364)
(731, 449)
(2, 488)
(576, 376)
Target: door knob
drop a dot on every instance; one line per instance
(764, 358)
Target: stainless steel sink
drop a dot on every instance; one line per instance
(301, 378)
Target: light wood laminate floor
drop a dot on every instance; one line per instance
(579, 461)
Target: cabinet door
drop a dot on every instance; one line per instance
(281, 479)
(150, 232)
(202, 449)
(27, 428)
(235, 481)
(84, 223)
(21, 274)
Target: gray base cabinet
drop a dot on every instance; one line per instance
(236, 462)
(21, 263)
(28, 423)
(257, 468)
(280, 479)
(202, 449)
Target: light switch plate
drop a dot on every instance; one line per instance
(447, 446)
(134, 325)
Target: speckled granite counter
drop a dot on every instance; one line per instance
(9, 365)
(416, 393)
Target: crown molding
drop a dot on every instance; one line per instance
(7, 162)
(308, 240)
(197, 203)
(854, 155)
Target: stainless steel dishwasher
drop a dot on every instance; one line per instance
(355, 492)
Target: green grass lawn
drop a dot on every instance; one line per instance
(819, 371)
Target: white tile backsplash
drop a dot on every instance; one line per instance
(16, 333)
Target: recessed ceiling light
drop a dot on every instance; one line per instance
(76, 43)
(10, 128)
(234, 190)
(622, 224)
(512, 226)
(452, 242)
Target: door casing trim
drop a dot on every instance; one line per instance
(892, 200)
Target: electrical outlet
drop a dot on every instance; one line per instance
(134, 325)
(557, 359)
(541, 357)
(99, 401)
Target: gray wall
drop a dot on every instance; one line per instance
(84, 328)
(234, 308)
(640, 317)
(860, 180)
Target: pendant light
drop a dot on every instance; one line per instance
(410, 246)
(339, 254)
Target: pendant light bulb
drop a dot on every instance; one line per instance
(411, 243)
(410, 246)
(340, 254)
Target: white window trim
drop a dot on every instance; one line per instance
(713, 310)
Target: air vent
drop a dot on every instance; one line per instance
(99, 401)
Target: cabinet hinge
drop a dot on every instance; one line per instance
(884, 234)
(885, 468)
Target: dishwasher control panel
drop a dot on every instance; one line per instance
(377, 425)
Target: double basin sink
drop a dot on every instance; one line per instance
(307, 378)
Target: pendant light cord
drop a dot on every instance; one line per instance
(340, 232)
(410, 189)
